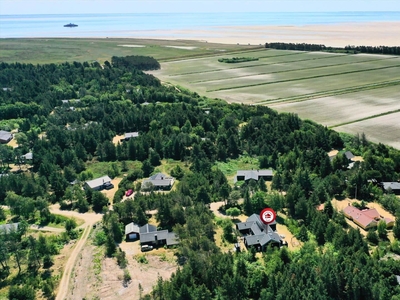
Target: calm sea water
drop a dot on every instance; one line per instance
(102, 25)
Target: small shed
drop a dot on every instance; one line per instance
(132, 232)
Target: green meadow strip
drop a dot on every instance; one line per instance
(366, 118)
(285, 71)
(337, 92)
(201, 55)
(258, 65)
(303, 78)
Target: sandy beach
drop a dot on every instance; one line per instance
(338, 35)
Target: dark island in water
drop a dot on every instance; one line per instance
(71, 25)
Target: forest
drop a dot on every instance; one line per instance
(66, 138)
(392, 50)
(235, 60)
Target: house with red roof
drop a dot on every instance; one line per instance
(366, 218)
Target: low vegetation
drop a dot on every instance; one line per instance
(235, 60)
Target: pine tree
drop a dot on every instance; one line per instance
(396, 227)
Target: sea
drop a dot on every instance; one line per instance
(148, 24)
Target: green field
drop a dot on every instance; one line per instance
(348, 92)
(45, 50)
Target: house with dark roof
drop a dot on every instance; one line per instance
(253, 174)
(5, 136)
(393, 187)
(257, 234)
(98, 184)
(6, 228)
(149, 235)
(158, 181)
(366, 218)
(349, 155)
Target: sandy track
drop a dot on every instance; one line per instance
(89, 219)
(64, 283)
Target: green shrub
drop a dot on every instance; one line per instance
(142, 259)
(100, 238)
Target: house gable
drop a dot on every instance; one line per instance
(253, 174)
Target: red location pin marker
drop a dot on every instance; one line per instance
(267, 215)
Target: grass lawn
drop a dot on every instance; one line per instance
(100, 168)
(231, 166)
(168, 164)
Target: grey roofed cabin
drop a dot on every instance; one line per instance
(258, 234)
(253, 174)
(28, 156)
(98, 183)
(159, 181)
(392, 186)
(149, 235)
(5, 136)
(130, 135)
(8, 227)
(66, 101)
(349, 155)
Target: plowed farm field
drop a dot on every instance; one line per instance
(352, 93)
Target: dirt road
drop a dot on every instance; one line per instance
(64, 283)
(89, 219)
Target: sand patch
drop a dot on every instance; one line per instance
(357, 158)
(132, 46)
(117, 139)
(13, 143)
(182, 47)
(110, 193)
(333, 153)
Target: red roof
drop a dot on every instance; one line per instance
(372, 213)
(362, 217)
(388, 220)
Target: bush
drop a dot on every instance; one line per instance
(127, 277)
(100, 238)
(142, 259)
(47, 261)
(24, 292)
(121, 258)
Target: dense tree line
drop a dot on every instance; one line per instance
(392, 50)
(235, 60)
(144, 63)
(296, 46)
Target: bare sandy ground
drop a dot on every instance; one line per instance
(339, 35)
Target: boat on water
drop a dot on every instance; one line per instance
(70, 25)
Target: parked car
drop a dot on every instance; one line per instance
(145, 248)
(108, 185)
(129, 192)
